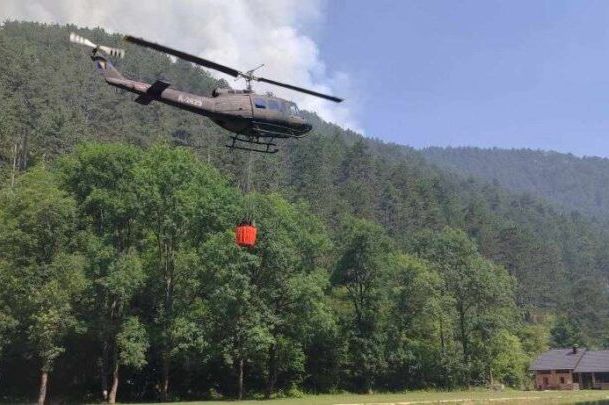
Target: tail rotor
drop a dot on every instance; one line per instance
(77, 39)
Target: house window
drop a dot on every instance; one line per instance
(260, 103)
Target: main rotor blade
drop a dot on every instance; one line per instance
(302, 90)
(183, 55)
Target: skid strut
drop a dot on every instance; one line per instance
(250, 143)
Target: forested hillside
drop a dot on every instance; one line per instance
(374, 270)
(574, 183)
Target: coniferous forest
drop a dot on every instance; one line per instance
(578, 184)
(374, 270)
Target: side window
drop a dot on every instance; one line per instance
(273, 105)
(260, 103)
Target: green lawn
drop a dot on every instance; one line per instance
(422, 397)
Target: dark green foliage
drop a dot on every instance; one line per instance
(373, 269)
(578, 184)
(42, 266)
(480, 294)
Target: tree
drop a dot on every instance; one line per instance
(508, 362)
(266, 304)
(356, 174)
(101, 179)
(132, 342)
(481, 293)
(291, 281)
(417, 326)
(236, 313)
(362, 271)
(37, 224)
(181, 202)
(565, 333)
(8, 310)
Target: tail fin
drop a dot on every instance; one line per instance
(106, 68)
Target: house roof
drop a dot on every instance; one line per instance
(594, 362)
(558, 359)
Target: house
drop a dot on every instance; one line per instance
(592, 371)
(572, 369)
(554, 369)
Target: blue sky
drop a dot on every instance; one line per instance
(482, 73)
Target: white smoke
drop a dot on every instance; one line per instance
(239, 33)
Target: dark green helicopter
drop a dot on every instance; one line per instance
(255, 119)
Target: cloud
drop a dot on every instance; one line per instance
(239, 33)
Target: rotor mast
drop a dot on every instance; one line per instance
(249, 76)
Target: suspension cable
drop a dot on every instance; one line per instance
(249, 203)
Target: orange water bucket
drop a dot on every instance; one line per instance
(245, 235)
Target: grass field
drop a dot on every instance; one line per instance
(431, 397)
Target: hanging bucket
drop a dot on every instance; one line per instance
(245, 234)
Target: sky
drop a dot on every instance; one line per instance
(485, 73)
(488, 73)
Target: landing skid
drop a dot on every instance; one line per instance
(249, 143)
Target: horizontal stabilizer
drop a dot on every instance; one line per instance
(154, 91)
(157, 88)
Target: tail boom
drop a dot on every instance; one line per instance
(158, 91)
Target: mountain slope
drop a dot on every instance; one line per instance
(51, 98)
(574, 183)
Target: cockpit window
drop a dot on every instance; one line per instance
(293, 110)
(260, 103)
(273, 105)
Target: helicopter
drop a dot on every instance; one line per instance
(255, 120)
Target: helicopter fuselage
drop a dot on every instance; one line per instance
(240, 111)
(255, 120)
